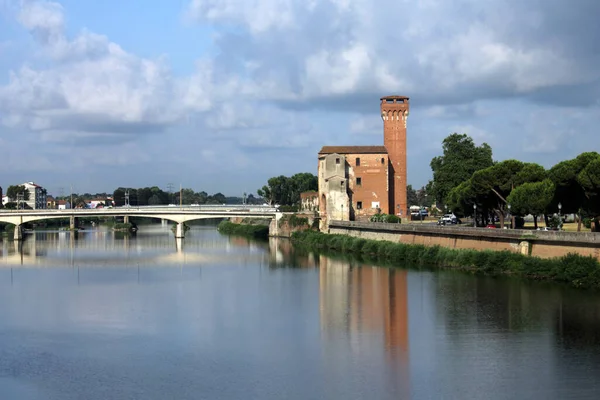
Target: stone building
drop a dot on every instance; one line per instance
(356, 182)
(309, 201)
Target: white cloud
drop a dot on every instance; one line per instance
(93, 85)
(436, 50)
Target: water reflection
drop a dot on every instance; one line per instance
(212, 316)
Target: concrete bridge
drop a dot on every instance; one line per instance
(177, 214)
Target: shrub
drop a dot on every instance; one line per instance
(255, 231)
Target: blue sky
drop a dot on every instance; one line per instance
(220, 95)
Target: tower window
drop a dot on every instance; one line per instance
(359, 205)
(382, 160)
(358, 161)
(337, 161)
(358, 181)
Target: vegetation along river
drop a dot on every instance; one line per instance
(109, 316)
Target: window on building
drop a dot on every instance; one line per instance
(342, 183)
(358, 161)
(374, 204)
(359, 205)
(383, 160)
(337, 160)
(358, 181)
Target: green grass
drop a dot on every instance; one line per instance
(572, 269)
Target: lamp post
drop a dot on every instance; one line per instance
(510, 216)
(474, 215)
(559, 208)
(559, 217)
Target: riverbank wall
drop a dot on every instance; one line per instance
(543, 244)
(285, 225)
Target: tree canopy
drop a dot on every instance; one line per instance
(461, 158)
(286, 191)
(13, 190)
(489, 188)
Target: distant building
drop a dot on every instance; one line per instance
(37, 196)
(309, 201)
(1, 197)
(5, 200)
(51, 202)
(63, 205)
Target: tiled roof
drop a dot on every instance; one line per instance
(353, 150)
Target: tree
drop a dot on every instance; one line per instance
(14, 190)
(576, 189)
(460, 159)
(411, 195)
(285, 190)
(531, 198)
(488, 188)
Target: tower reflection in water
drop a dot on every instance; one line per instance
(369, 305)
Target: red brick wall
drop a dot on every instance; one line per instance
(374, 183)
(394, 111)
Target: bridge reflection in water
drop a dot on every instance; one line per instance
(43, 249)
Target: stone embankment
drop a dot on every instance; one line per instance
(543, 244)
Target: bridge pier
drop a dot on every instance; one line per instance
(18, 232)
(73, 222)
(163, 222)
(126, 219)
(179, 231)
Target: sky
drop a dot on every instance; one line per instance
(220, 95)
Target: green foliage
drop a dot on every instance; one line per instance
(123, 227)
(460, 159)
(489, 187)
(587, 222)
(293, 221)
(13, 190)
(156, 196)
(572, 269)
(254, 231)
(531, 198)
(285, 191)
(577, 184)
(555, 222)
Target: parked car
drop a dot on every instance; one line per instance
(448, 219)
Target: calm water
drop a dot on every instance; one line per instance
(111, 317)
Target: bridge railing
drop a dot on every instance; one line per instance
(162, 208)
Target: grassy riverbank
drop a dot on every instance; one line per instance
(254, 231)
(572, 269)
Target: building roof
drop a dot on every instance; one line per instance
(353, 150)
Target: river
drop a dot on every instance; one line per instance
(108, 316)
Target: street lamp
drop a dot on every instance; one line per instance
(474, 215)
(511, 224)
(559, 208)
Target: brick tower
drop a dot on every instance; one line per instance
(394, 112)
